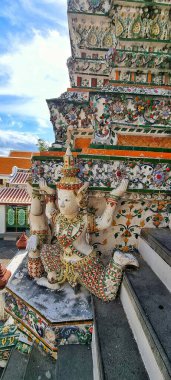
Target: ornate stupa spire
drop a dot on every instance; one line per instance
(68, 160)
(69, 181)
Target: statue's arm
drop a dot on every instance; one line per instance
(50, 197)
(105, 220)
(36, 207)
(29, 188)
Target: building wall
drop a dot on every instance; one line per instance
(2, 219)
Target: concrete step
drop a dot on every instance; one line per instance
(40, 366)
(117, 352)
(155, 247)
(10, 236)
(16, 366)
(74, 362)
(147, 304)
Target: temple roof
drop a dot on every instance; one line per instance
(16, 153)
(7, 164)
(19, 178)
(13, 195)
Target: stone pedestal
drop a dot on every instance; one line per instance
(50, 317)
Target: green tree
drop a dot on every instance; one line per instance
(42, 145)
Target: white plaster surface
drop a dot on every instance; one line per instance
(43, 281)
(2, 219)
(158, 265)
(144, 347)
(2, 304)
(95, 356)
(17, 260)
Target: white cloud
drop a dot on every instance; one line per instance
(43, 123)
(23, 137)
(4, 152)
(15, 140)
(16, 124)
(38, 71)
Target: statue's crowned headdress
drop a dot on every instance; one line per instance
(69, 181)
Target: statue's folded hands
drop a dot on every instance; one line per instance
(44, 187)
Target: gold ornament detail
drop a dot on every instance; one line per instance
(136, 27)
(92, 39)
(108, 40)
(119, 28)
(155, 30)
(64, 222)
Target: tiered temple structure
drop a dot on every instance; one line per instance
(116, 117)
(117, 114)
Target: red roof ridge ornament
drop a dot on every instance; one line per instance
(22, 241)
(5, 274)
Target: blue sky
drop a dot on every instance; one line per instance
(34, 47)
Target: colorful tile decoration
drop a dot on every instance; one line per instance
(129, 218)
(89, 6)
(130, 22)
(5, 354)
(107, 173)
(50, 318)
(24, 344)
(47, 334)
(104, 112)
(129, 46)
(34, 339)
(9, 336)
(97, 6)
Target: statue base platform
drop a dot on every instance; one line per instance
(50, 317)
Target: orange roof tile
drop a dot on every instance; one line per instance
(7, 163)
(16, 153)
(127, 153)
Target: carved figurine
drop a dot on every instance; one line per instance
(71, 258)
(39, 232)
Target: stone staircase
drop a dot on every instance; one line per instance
(118, 354)
(155, 248)
(147, 305)
(33, 366)
(145, 308)
(74, 362)
(132, 335)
